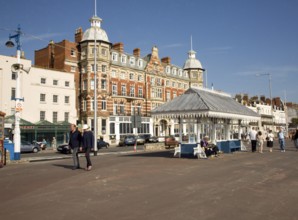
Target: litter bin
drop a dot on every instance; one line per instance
(8, 145)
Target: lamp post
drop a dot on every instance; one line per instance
(270, 90)
(18, 105)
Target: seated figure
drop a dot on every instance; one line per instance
(210, 149)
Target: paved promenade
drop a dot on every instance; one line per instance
(154, 185)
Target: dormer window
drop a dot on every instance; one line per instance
(123, 59)
(140, 63)
(180, 72)
(168, 69)
(132, 61)
(174, 71)
(114, 56)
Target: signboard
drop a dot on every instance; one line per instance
(19, 106)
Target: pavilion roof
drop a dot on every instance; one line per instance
(196, 103)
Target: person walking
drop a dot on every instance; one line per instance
(295, 139)
(75, 144)
(281, 140)
(253, 140)
(87, 144)
(260, 141)
(270, 138)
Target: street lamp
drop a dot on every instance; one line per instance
(270, 90)
(16, 68)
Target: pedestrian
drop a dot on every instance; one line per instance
(269, 139)
(260, 141)
(87, 145)
(253, 140)
(281, 140)
(75, 138)
(295, 139)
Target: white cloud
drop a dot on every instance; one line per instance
(172, 45)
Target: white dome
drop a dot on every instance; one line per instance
(192, 62)
(101, 35)
(89, 34)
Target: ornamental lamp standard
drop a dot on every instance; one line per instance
(16, 68)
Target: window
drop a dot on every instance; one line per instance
(13, 93)
(43, 81)
(104, 51)
(72, 69)
(123, 59)
(159, 93)
(73, 53)
(122, 75)
(174, 94)
(168, 69)
(114, 89)
(115, 109)
(173, 84)
(167, 82)
(85, 83)
(66, 99)
(140, 78)
(158, 81)
(93, 50)
(55, 98)
(103, 84)
(103, 125)
(66, 116)
(103, 68)
(66, 84)
(55, 82)
(180, 72)
(140, 63)
(92, 104)
(140, 92)
(123, 90)
(42, 115)
(174, 71)
(103, 104)
(132, 91)
(93, 67)
(42, 97)
(55, 117)
(121, 105)
(114, 56)
(132, 61)
(152, 81)
(13, 76)
(84, 105)
(168, 98)
(113, 73)
(92, 84)
(131, 76)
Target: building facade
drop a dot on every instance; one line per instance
(49, 97)
(128, 86)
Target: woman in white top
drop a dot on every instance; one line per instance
(270, 138)
(260, 141)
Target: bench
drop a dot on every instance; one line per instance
(189, 150)
(229, 146)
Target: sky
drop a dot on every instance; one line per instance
(234, 39)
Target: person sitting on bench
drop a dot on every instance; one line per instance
(210, 149)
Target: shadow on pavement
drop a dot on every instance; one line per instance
(63, 165)
(165, 154)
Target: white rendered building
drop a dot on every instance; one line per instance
(49, 95)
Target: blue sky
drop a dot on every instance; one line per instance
(234, 39)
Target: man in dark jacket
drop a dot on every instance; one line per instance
(87, 144)
(75, 144)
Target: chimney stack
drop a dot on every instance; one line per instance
(166, 60)
(78, 35)
(137, 52)
(118, 46)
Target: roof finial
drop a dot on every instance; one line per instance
(95, 14)
(190, 42)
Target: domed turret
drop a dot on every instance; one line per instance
(192, 62)
(89, 34)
